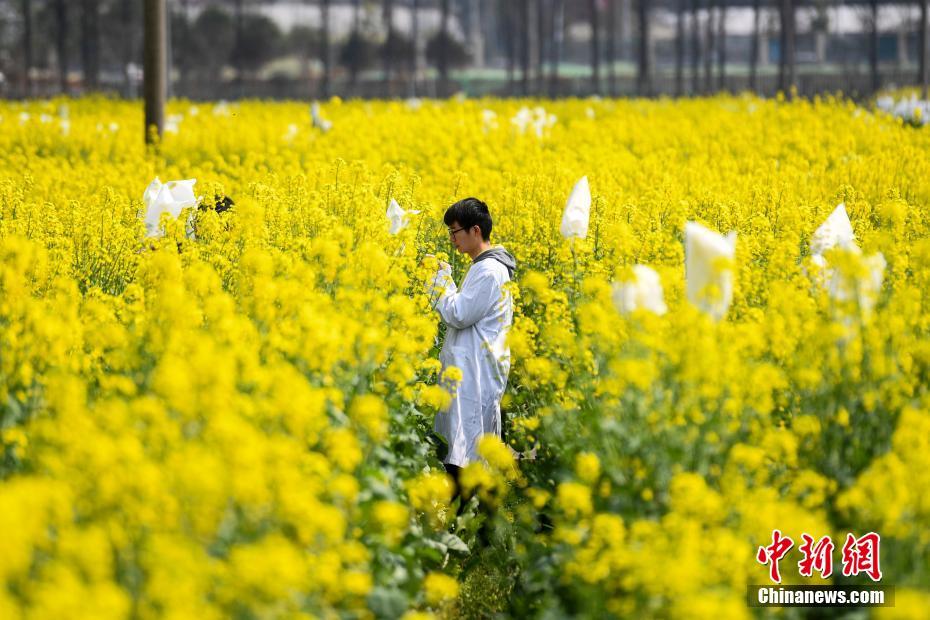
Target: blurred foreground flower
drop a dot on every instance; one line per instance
(643, 291)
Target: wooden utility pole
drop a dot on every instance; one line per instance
(644, 72)
(612, 36)
(786, 61)
(356, 37)
(154, 67)
(558, 28)
(782, 45)
(754, 52)
(595, 46)
(695, 47)
(525, 48)
(722, 47)
(474, 15)
(90, 43)
(680, 48)
(541, 47)
(709, 47)
(327, 51)
(128, 46)
(444, 48)
(873, 44)
(27, 48)
(414, 47)
(507, 14)
(790, 46)
(61, 36)
(238, 59)
(389, 42)
(924, 50)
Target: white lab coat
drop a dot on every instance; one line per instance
(477, 319)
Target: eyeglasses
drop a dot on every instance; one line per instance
(452, 232)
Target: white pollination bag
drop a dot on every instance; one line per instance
(709, 268)
(171, 197)
(398, 219)
(577, 211)
(859, 277)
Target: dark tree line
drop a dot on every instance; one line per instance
(230, 39)
(92, 36)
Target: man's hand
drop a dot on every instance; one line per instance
(443, 265)
(441, 280)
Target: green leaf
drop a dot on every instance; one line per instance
(432, 554)
(387, 603)
(435, 544)
(453, 542)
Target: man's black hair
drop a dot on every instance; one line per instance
(470, 212)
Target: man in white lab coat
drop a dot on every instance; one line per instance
(477, 317)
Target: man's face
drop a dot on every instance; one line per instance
(465, 240)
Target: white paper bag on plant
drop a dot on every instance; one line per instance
(171, 197)
(709, 268)
(862, 279)
(577, 211)
(398, 218)
(835, 231)
(318, 121)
